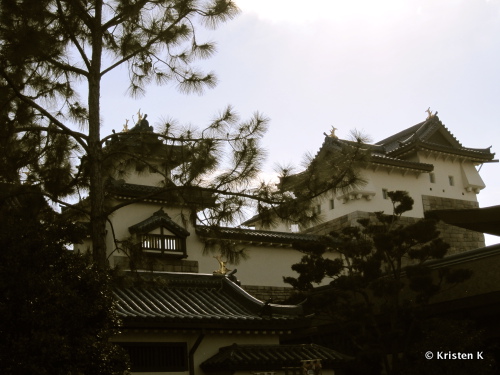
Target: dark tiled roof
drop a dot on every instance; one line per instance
(476, 154)
(378, 155)
(270, 357)
(484, 220)
(387, 160)
(159, 218)
(256, 236)
(170, 194)
(433, 135)
(193, 301)
(393, 140)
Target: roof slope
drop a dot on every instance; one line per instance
(430, 135)
(183, 300)
(170, 194)
(378, 154)
(270, 357)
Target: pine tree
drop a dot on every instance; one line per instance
(47, 47)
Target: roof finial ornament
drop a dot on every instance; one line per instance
(139, 116)
(222, 264)
(430, 114)
(125, 126)
(332, 132)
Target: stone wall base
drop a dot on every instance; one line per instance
(459, 239)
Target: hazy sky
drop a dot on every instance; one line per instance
(374, 66)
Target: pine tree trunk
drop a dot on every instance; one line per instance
(97, 209)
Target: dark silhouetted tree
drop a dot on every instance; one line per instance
(56, 308)
(380, 282)
(48, 46)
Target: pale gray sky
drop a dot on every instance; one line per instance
(374, 66)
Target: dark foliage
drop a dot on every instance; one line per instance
(56, 307)
(380, 284)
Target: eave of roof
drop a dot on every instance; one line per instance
(271, 357)
(201, 301)
(474, 154)
(484, 220)
(173, 195)
(405, 164)
(256, 236)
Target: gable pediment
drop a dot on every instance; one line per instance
(159, 219)
(443, 138)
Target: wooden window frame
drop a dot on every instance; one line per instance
(163, 243)
(157, 356)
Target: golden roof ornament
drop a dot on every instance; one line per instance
(125, 127)
(222, 266)
(332, 132)
(430, 114)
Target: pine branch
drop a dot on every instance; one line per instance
(144, 48)
(130, 12)
(79, 137)
(87, 20)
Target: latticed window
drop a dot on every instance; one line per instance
(160, 234)
(163, 243)
(157, 357)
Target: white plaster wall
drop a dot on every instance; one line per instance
(369, 198)
(448, 167)
(265, 266)
(415, 184)
(145, 178)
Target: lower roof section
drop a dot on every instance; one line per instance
(271, 357)
(256, 236)
(484, 220)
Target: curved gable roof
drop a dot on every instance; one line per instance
(432, 135)
(159, 219)
(193, 301)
